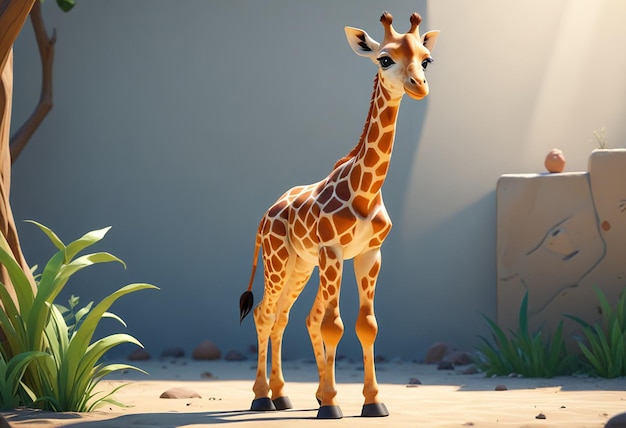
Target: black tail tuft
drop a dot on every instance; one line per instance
(246, 301)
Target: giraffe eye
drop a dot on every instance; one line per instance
(385, 62)
(426, 62)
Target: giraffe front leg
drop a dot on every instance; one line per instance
(366, 268)
(330, 267)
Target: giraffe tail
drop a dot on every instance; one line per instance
(246, 301)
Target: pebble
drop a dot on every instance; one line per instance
(501, 388)
(617, 421)
(206, 350)
(139, 354)
(176, 393)
(445, 365)
(207, 375)
(413, 382)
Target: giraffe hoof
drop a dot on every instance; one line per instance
(282, 403)
(263, 404)
(374, 410)
(329, 412)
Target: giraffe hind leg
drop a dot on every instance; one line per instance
(278, 264)
(298, 278)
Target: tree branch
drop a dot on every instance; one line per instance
(46, 53)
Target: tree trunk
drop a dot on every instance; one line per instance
(13, 15)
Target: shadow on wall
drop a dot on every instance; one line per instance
(558, 236)
(433, 304)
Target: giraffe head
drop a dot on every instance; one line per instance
(402, 58)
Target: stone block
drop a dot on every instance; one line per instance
(558, 236)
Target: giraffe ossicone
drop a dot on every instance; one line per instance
(338, 218)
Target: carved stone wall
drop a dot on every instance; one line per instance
(558, 236)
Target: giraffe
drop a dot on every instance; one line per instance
(338, 218)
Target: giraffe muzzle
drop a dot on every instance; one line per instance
(416, 89)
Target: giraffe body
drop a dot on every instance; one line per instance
(338, 218)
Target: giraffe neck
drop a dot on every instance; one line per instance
(369, 160)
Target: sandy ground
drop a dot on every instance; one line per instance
(444, 399)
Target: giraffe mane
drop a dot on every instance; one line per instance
(355, 150)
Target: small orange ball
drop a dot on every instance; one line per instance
(555, 161)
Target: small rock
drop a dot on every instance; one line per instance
(206, 350)
(235, 356)
(501, 388)
(173, 352)
(540, 416)
(617, 421)
(414, 381)
(437, 351)
(139, 354)
(180, 393)
(458, 358)
(470, 370)
(445, 365)
(207, 375)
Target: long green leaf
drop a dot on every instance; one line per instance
(12, 324)
(50, 234)
(66, 271)
(85, 241)
(50, 272)
(17, 366)
(22, 286)
(83, 336)
(85, 372)
(88, 327)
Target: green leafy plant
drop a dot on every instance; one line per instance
(73, 315)
(11, 376)
(65, 381)
(523, 353)
(603, 343)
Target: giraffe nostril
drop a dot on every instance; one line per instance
(415, 81)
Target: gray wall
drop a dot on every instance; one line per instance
(180, 123)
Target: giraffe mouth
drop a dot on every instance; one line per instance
(415, 95)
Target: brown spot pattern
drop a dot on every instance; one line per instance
(342, 190)
(333, 205)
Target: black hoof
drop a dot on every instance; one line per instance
(374, 410)
(263, 404)
(282, 403)
(329, 412)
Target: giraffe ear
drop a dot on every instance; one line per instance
(361, 43)
(429, 39)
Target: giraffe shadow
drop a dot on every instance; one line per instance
(171, 420)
